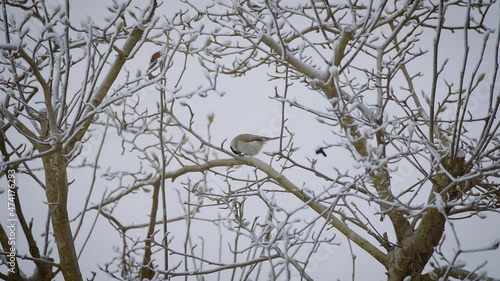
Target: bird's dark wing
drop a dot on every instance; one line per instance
(235, 151)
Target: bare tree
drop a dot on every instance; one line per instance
(387, 107)
(396, 94)
(43, 107)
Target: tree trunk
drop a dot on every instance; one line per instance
(410, 257)
(56, 182)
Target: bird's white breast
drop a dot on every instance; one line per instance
(250, 148)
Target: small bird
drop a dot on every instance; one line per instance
(152, 64)
(321, 151)
(247, 144)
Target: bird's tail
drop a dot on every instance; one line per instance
(274, 138)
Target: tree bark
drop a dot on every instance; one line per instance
(147, 270)
(56, 182)
(410, 257)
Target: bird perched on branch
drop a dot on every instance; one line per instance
(152, 64)
(248, 144)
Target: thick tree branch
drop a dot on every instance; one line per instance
(133, 39)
